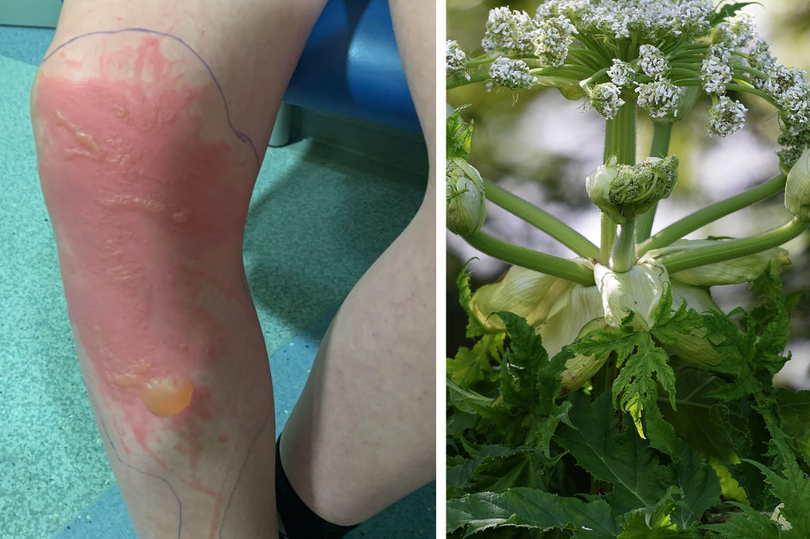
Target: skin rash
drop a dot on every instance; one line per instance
(148, 211)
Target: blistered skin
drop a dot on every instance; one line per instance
(167, 396)
(148, 198)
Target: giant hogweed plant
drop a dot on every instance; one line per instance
(608, 395)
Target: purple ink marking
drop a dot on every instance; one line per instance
(239, 474)
(179, 505)
(240, 135)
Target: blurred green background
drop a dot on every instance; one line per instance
(541, 146)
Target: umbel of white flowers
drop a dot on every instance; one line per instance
(673, 44)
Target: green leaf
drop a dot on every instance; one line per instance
(657, 524)
(530, 382)
(661, 433)
(792, 488)
(795, 412)
(728, 11)
(531, 508)
(469, 401)
(699, 484)
(635, 386)
(523, 467)
(459, 134)
(752, 351)
(520, 371)
(460, 476)
(670, 326)
(458, 422)
(751, 524)
(644, 366)
(713, 437)
(474, 327)
(470, 366)
(625, 460)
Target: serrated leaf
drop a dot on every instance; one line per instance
(469, 401)
(795, 412)
(699, 484)
(792, 487)
(625, 460)
(693, 420)
(531, 508)
(729, 10)
(474, 327)
(460, 476)
(661, 433)
(458, 422)
(530, 382)
(520, 371)
(750, 524)
(636, 388)
(655, 524)
(522, 467)
(470, 366)
(459, 134)
(669, 326)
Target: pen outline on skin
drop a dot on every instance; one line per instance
(179, 503)
(239, 134)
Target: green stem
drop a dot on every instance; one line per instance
(662, 133)
(478, 77)
(751, 70)
(542, 220)
(533, 260)
(622, 256)
(731, 249)
(620, 140)
(608, 234)
(753, 91)
(700, 218)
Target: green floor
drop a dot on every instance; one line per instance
(317, 222)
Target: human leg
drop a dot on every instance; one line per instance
(151, 120)
(362, 435)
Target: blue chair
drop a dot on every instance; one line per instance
(351, 67)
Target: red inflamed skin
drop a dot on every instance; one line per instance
(148, 194)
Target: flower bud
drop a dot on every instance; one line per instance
(465, 198)
(624, 191)
(598, 186)
(797, 188)
(638, 290)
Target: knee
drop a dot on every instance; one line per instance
(133, 139)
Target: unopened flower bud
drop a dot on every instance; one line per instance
(624, 191)
(797, 188)
(465, 198)
(598, 186)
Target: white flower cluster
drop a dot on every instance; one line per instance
(517, 33)
(555, 36)
(717, 70)
(726, 117)
(736, 32)
(456, 61)
(651, 60)
(659, 98)
(606, 99)
(507, 29)
(651, 21)
(511, 73)
(791, 91)
(759, 55)
(622, 73)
